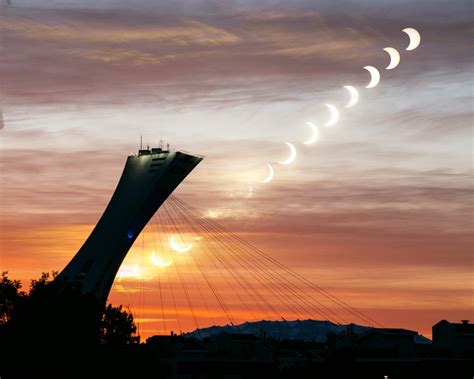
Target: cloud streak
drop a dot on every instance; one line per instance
(69, 56)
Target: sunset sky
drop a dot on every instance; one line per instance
(379, 211)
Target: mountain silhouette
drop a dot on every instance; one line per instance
(307, 330)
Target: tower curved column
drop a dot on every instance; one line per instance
(147, 180)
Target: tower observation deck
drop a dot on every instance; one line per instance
(148, 178)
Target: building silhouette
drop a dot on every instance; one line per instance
(454, 339)
(376, 342)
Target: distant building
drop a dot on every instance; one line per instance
(177, 345)
(241, 346)
(454, 339)
(297, 352)
(377, 342)
(390, 342)
(226, 355)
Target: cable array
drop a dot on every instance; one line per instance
(208, 275)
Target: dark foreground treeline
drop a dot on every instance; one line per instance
(54, 331)
(150, 361)
(53, 327)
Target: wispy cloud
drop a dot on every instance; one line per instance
(68, 56)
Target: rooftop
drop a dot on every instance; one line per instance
(460, 327)
(160, 150)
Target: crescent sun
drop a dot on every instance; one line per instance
(211, 213)
(180, 248)
(394, 58)
(314, 135)
(334, 115)
(414, 36)
(374, 76)
(158, 261)
(269, 178)
(292, 156)
(250, 192)
(354, 96)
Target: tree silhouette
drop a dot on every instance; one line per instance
(39, 285)
(56, 310)
(10, 296)
(117, 327)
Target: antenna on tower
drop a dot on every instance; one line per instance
(161, 144)
(141, 142)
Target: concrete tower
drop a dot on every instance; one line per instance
(147, 180)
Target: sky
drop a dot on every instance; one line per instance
(379, 210)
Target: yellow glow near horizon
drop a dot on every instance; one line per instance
(128, 271)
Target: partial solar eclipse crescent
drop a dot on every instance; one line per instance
(354, 96)
(394, 58)
(374, 76)
(158, 261)
(269, 178)
(180, 248)
(211, 213)
(125, 271)
(314, 134)
(334, 115)
(292, 156)
(414, 36)
(250, 192)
